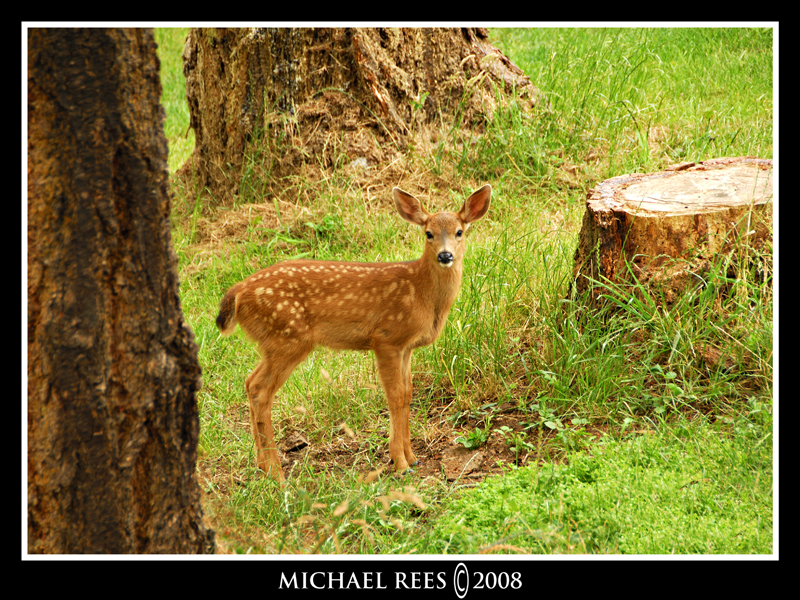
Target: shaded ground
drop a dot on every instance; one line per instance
(441, 457)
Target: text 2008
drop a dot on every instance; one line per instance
(500, 581)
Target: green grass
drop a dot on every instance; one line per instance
(690, 488)
(692, 93)
(173, 97)
(645, 445)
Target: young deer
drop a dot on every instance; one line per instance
(389, 308)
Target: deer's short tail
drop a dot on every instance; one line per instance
(226, 319)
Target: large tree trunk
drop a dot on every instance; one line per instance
(665, 229)
(316, 98)
(112, 366)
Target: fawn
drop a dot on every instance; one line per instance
(389, 308)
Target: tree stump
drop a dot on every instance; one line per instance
(665, 229)
(304, 100)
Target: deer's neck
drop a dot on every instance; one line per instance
(438, 285)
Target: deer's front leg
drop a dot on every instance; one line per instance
(390, 370)
(406, 410)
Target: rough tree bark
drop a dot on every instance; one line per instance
(112, 366)
(333, 94)
(665, 229)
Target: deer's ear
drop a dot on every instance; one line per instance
(476, 205)
(409, 207)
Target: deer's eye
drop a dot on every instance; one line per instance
(459, 233)
(429, 235)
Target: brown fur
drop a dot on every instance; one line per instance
(389, 308)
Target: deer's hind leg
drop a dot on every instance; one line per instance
(278, 362)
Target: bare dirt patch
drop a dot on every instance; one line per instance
(440, 458)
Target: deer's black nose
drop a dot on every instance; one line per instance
(445, 257)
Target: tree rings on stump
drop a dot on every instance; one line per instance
(667, 228)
